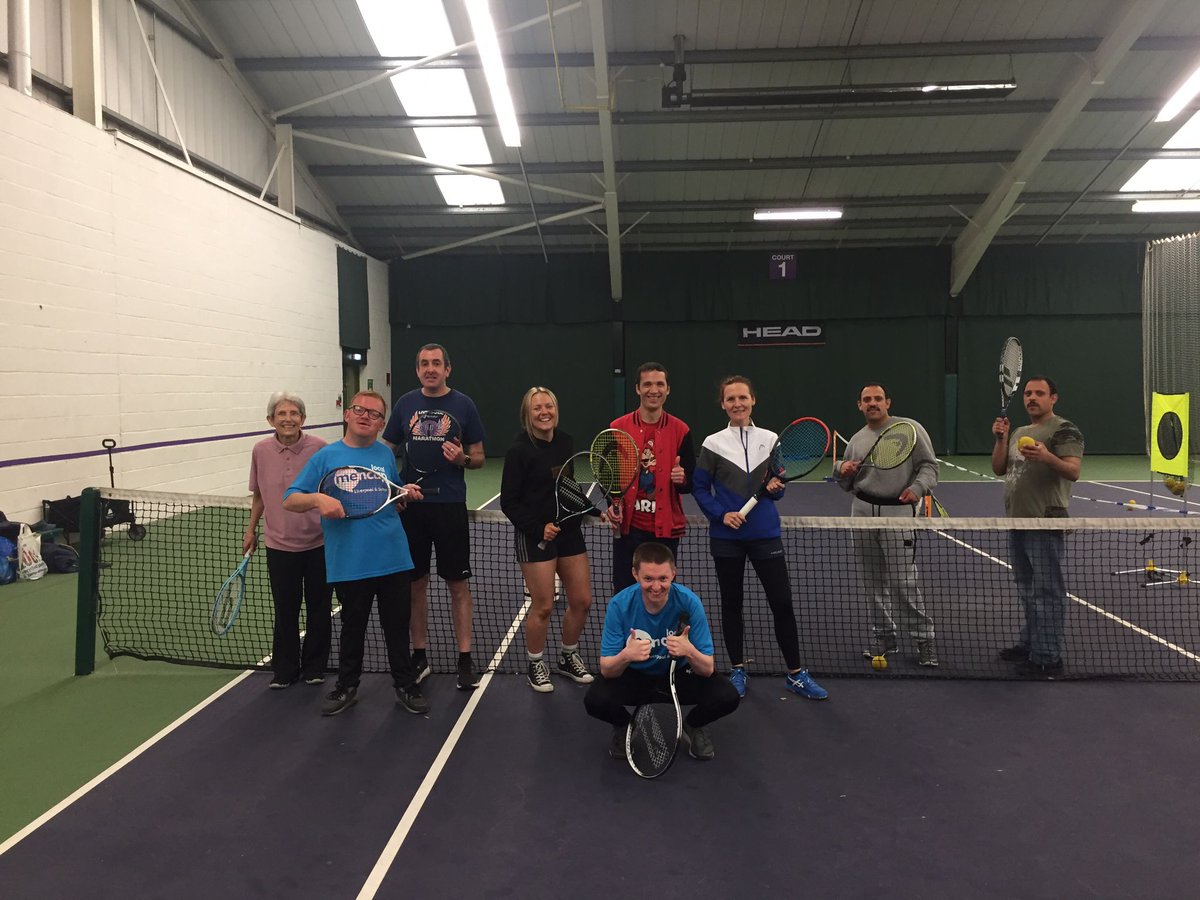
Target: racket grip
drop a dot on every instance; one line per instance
(749, 505)
(430, 492)
(541, 545)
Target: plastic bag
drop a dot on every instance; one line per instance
(29, 554)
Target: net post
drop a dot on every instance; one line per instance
(89, 581)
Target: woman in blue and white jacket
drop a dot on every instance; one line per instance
(729, 470)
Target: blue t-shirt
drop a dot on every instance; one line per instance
(450, 482)
(627, 610)
(357, 548)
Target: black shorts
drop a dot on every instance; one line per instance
(440, 526)
(568, 543)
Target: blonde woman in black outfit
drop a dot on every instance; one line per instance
(531, 464)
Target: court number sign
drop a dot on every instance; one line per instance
(783, 267)
(781, 334)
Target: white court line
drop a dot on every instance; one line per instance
(388, 856)
(1136, 629)
(117, 766)
(150, 742)
(1128, 490)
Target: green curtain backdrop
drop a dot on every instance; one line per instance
(514, 321)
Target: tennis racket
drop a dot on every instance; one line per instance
(799, 449)
(428, 431)
(573, 487)
(615, 455)
(1012, 359)
(361, 491)
(228, 602)
(893, 447)
(652, 736)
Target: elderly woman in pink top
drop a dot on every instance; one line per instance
(295, 546)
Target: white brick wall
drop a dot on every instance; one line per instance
(142, 303)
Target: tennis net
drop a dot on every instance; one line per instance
(1132, 608)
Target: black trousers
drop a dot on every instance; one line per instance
(299, 578)
(773, 574)
(710, 698)
(395, 607)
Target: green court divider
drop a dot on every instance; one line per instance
(89, 582)
(951, 431)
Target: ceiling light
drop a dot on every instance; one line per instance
(493, 69)
(1167, 206)
(802, 214)
(1181, 98)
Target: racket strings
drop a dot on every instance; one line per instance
(572, 495)
(892, 449)
(800, 449)
(616, 460)
(649, 738)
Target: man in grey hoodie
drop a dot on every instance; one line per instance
(888, 557)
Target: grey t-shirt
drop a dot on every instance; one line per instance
(1033, 489)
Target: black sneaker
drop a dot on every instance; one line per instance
(315, 678)
(881, 646)
(411, 698)
(616, 744)
(571, 665)
(927, 654)
(539, 676)
(420, 664)
(1015, 653)
(339, 700)
(700, 745)
(1046, 671)
(279, 683)
(468, 678)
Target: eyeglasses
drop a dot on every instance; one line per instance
(373, 415)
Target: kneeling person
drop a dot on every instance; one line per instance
(636, 647)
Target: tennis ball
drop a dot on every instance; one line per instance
(1025, 441)
(878, 663)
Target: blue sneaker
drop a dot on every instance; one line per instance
(738, 677)
(803, 684)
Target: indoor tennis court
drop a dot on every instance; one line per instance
(206, 202)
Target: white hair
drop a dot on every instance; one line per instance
(285, 397)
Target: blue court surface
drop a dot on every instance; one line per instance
(903, 789)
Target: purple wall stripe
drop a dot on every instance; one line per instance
(30, 460)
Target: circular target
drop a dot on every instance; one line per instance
(1170, 435)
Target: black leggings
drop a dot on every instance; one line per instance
(773, 574)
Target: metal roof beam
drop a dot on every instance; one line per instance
(630, 167)
(1048, 198)
(655, 58)
(720, 116)
(612, 223)
(903, 223)
(1090, 74)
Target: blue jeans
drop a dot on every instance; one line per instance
(1036, 558)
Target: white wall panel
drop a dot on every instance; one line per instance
(145, 304)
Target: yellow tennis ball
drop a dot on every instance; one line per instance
(1025, 441)
(878, 663)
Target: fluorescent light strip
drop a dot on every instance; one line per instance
(1180, 99)
(493, 69)
(1167, 206)
(796, 215)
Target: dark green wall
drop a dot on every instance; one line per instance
(514, 321)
